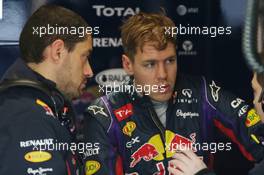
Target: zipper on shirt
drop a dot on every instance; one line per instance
(157, 122)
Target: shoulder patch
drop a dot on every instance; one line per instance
(252, 118)
(97, 110)
(45, 107)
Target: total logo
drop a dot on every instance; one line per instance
(154, 149)
(102, 10)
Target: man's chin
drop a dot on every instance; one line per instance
(71, 96)
(161, 97)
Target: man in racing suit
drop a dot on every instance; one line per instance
(36, 115)
(138, 130)
(257, 84)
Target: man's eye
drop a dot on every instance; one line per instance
(171, 60)
(88, 57)
(149, 65)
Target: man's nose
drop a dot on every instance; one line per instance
(87, 71)
(161, 72)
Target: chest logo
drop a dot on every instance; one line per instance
(215, 91)
(129, 128)
(38, 156)
(97, 110)
(45, 107)
(187, 92)
(124, 112)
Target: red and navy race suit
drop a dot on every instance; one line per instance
(122, 128)
(29, 123)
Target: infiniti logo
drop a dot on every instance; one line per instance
(187, 92)
(187, 45)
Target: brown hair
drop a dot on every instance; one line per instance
(146, 27)
(32, 46)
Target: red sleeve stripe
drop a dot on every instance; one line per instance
(228, 132)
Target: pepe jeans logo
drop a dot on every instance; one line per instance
(1, 9)
(179, 113)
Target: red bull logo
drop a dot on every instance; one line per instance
(176, 142)
(180, 142)
(152, 150)
(146, 152)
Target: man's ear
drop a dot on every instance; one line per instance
(57, 49)
(127, 65)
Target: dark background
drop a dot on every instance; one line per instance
(219, 58)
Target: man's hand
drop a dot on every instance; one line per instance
(186, 162)
(258, 134)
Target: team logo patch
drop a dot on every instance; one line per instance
(97, 110)
(39, 171)
(45, 106)
(214, 91)
(235, 103)
(252, 118)
(129, 128)
(123, 112)
(132, 142)
(152, 150)
(38, 156)
(187, 92)
(176, 142)
(91, 167)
